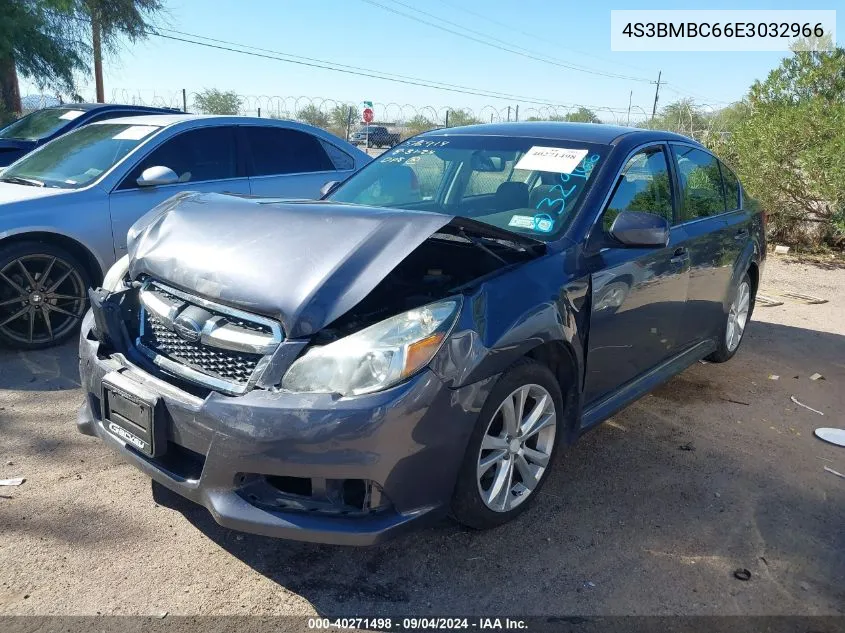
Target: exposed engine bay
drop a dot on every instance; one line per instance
(447, 263)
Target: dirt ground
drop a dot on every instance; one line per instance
(649, 514)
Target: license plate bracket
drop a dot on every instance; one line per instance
(133, 414)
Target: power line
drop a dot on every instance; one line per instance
(515, 51)
(534, 36)
(336, 65)
(353, 70)
(532, 54)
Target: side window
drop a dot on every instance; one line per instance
(275, 150)
(429, 170)
(643, 186)
(731, 188)
(341, 160)
(701, 183)
(196, 155)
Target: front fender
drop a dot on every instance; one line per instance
(508, 316)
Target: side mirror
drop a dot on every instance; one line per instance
(328, 188)
(157, 175)
(635, 228)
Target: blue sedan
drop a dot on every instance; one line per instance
(42, 126)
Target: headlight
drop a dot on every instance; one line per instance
(114, 278)
(376, 357)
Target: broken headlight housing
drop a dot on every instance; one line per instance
(113, 281)
(377, 357)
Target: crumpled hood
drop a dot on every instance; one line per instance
(305, 264)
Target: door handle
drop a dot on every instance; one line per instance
(741, 234)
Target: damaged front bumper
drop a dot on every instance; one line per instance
(311, 467)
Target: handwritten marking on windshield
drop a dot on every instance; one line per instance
(583, 171)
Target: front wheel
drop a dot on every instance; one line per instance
(43, 295)
(736, 321)
(511, 448)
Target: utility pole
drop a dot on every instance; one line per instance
(630, 97)
(96, 46)
(184, 101)
(509, 114)
(656, 95)
(516, 117)
(447, 117)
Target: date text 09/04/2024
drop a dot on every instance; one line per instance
(418, 623)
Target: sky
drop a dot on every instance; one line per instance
(359, 33)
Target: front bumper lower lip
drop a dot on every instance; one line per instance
(232, 511)
(409, 440)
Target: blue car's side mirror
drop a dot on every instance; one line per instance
(636, 228)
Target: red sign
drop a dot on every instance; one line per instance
(368, 115)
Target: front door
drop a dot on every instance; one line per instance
(205, 159)
(638, 294)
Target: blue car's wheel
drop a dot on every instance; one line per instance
(512, 447)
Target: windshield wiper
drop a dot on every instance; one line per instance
(477, 241)
(18, 180)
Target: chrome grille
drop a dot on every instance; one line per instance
(225, 364)
(203, 341)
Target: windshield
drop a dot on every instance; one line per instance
(40, 123)
(80, 157)
(523, 185)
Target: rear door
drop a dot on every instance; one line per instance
(205, 159)
(638, 294)
(288, 163)
(715, 233)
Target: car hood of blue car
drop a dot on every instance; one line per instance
(11, 149)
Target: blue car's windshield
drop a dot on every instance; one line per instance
(79, 157)
(525, 185)
(40, 123)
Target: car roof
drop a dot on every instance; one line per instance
(584, 132)
(164, 120)
(87, 107)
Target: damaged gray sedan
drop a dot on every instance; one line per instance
(425, 339)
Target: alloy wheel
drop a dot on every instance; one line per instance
(738, 316)
(42, 297)
(516, 448)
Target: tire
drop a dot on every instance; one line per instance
(738, 316)
(475, 503)
(43, 295)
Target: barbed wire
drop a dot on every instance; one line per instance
(697, 120)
